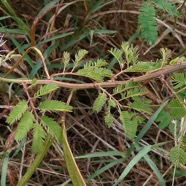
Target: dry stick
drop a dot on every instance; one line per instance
(107, 84)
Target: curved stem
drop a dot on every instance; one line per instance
(146, 77)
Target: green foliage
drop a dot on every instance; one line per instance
(131, 53)
(25, 124)
(99, 102)
(38, 138)
(131, 92)
(141, 106)
(109, 119)
(97, 63)
(176, 109)
(66, 59)
(79, 56)
(164, 119)
(178, 156)
(54, 127)
(127, 101)
(143, 66)
(17, 112)
(166, 55)
(167, 6)
(147, 23)
(130, 123)
(97, 74)
(46, 89)
(54, 105)
(179, 80)
(117, 53)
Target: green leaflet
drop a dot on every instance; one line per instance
(66, 59)
(38, 138)
(131, 53)
(143, 67)
(130, 124)
(46, 89)
(53, 126)
(17, 112)
(147, 23)
(97, 63)
(109, 119)
(178, 156)
(95, 70)
(176, 109)
(24, 125)
(95, 73)
(117, 53)
(99, 102)
(53, 105)
(79, 56)
(169, 7)
(179, 80)
(141, 106)
(164, 118)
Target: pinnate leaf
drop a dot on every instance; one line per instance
(38, 138)
(54, 105)
(54, 127)
(99, 102)
(46, 89)
(24, 125)
(17, 112)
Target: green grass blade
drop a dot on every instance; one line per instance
(133, 162)
(20, 23)
(150, 122)
(155, 169)
(102, 154)
(72, 167)
(146, 127)
(106, 167)
(4, 169)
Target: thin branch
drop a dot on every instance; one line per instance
(148, 76)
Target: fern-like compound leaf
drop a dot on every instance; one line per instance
(53, 126)
(131, 53)
(95, 73)
(99, 102)
(66, 59)
(24, 125)
(133, 92)
(141, 107)
(54, 105)
(166, 55)
(117, 53)
(79, 56)
(178, 156)
(46, 89)
(179, 80)
(143, 67)
(167, 6)
(111, 103)
(17, 112)
(109, 120)
(147, 23)
(38, 138)
(164, 119)
(176, 109)
(130, 124)
(97, 63)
